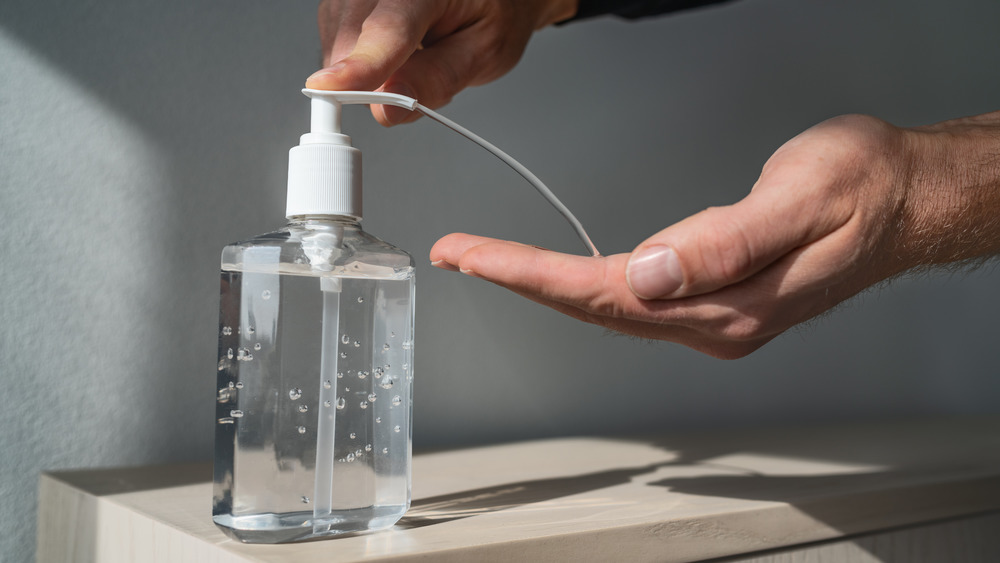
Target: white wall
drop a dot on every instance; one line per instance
(137, 138)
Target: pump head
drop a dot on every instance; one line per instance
(324, 170)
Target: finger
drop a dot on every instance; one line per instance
(595, 285)
(447, 252)
(435, 74)
(725, 245)
(389, 35)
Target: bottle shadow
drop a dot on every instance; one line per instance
(847, 481)
(464, 504)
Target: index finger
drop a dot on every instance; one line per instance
(593, 284)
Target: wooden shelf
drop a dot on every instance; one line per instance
(662, 498)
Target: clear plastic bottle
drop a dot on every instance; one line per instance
(314, 384)
(313, 405)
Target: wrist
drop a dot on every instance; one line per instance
(953, 193)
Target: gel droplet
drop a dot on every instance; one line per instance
(345, 339)
(229, 354)
(341, 403)
(350, 458)
(302, 429)
(357, 344)
(385, 450)
(236, 414)
(222, 364)
(378, 420)
(232, 385)
(343, 355)
(303, 408)
(358, 453)
(385, 346)
(392, 335)
(295, 393)
(250, 330)
(353, 435)
(386, 383)
(305, 500)
(364, 404)
(362, 374)
(249, 357)
(340, 375)
(368, 447)
(378, 372)
(372, 397)
(327, 403)
(256, 346)
(327, 384)
(361, 299)
(396, 400)
(227, 420)
(227, 330)
(239, 385)
(395, 428)
(266, 294)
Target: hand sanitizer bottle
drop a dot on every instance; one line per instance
(313, 403)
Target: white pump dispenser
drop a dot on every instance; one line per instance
(324, 171)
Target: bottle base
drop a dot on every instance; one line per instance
(301, 526)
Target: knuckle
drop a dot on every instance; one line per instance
(742, 329)
(446, 81)
(726, 252)
(741, 326)
(393, 23)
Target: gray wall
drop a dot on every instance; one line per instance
(139, 137)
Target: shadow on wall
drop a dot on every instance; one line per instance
(136, 330)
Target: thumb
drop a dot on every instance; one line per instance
(719, 246)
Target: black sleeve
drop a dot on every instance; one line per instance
(635, 9)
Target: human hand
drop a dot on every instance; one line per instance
(425, 49)
(846, 204)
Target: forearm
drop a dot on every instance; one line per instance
(953, 206)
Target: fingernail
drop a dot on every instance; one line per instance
(444, 265)
(654, 272)
(323, 73)
(394, 114)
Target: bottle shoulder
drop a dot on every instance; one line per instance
(319, 250)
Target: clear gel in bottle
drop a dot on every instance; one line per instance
(313, 405)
